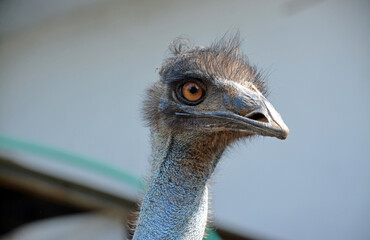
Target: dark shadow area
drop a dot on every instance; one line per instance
(18, 208)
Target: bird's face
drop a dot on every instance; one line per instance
(204, 90)
(225, 105)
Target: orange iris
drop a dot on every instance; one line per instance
(192, 91)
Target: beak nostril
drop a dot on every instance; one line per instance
(258, 117)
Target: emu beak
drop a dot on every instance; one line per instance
(243, 110)
(267, 121)
(255, 113)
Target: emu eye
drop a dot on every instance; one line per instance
(191, 93)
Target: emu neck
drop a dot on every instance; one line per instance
(176, 203)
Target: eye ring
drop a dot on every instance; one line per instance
(190, 93)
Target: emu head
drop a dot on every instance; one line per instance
(214, 89)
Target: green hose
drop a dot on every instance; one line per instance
(95, 165)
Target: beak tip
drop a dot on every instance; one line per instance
(284, 133)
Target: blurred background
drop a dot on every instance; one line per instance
(73, 145)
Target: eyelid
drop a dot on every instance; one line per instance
(188, 76)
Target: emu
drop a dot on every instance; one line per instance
(206, 99)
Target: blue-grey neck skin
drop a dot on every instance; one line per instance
(176, 203)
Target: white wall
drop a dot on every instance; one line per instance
(75, 79)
